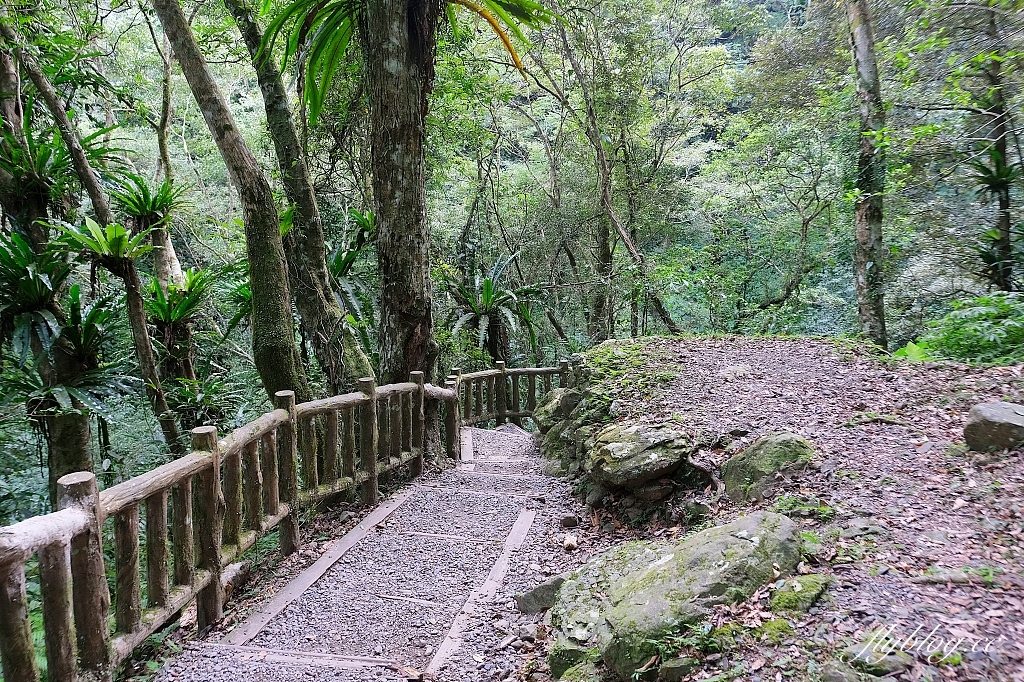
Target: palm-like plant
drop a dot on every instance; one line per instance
(29, 285)
(147, 207)
(491, 309)
(172, 313)
(319, 31)
(113, 247)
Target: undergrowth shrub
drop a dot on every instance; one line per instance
(988, 329)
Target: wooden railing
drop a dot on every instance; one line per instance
(220, 499)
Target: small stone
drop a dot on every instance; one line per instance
(995, 426)
(570, 521)
(528, 633)
(836, 671)
(570, 542)
(540, 598)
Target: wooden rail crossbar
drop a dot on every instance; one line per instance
(202, 511)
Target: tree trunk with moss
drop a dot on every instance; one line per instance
(869, 250)
(273, 339)
(305, 247)
(398, 38)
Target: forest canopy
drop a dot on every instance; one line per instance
(204, 203)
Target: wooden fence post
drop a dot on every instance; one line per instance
(157, 567)
(368, 440)
(210, 524)
(128, 594)
(451, 423)
(252, 477)
(287, 456)
(563, 374)
(16, 651)
(331, 440)
(270, 470)
(182, 534)
(418, 417)
(58, 612)
(90, 594)
(501, 397)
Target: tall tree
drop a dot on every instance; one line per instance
(321, 317)
(869, 250)
(274, 351)
(398, 40)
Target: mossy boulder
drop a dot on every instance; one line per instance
(566, 654)
(878, 654)
(750, 475)
(774, 631)
(625, 600)
(587, 670)
(800, 593)
(632, 455)
(554, 445)
(675, 669)
(551, 407)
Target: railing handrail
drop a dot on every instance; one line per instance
(237, 489)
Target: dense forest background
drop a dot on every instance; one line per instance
(657, 166)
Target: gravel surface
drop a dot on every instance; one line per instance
(353, 610)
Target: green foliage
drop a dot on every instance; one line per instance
(181, 303)
(319, 32)
(807, 506)
(146, 206)
(112, 243)
(211, 401)
(491, 309)
(986, 329)
(29, 284)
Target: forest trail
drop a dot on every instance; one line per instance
(398, 595)
(918, 535)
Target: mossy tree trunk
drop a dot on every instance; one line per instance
(273, 339)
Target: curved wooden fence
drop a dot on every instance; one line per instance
(219, 500)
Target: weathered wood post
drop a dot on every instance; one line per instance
(58, 612)
(307, 454)
(478, 390)
(451, 422)
(501, 397)
(516, 400)
(90, 595)
(252, 483)
(16, 652)
(368, 440)
(531, 393)
(233, 499)
(271, 474)
(418, 418)
(348, 455)
(128, 595)
(288, 480)
(210, 524)
(563, 374)
(157, 567)
(331, 440)
(182, 535)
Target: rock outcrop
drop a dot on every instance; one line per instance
(625, 600)
(633, 455)
(751, 474)
(995, 426)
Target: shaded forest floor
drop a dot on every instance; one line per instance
(921, 536)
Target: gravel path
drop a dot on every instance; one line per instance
(383, 610)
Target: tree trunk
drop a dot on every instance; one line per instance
(319, 313)
(869, 251)
(273, 340)
(144, 352)
(1003, 268)
(398, 45)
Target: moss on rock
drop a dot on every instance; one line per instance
(800, 593)
(750, 474)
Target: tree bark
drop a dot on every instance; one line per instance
(869, 250)
(320, 315)
(273, 339)
(1003, 268)
(398, 45)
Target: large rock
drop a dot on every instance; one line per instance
(625, 600)
(631, 455)
(541, 597)
(750, 475)
(995, 426)
(555, 407)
